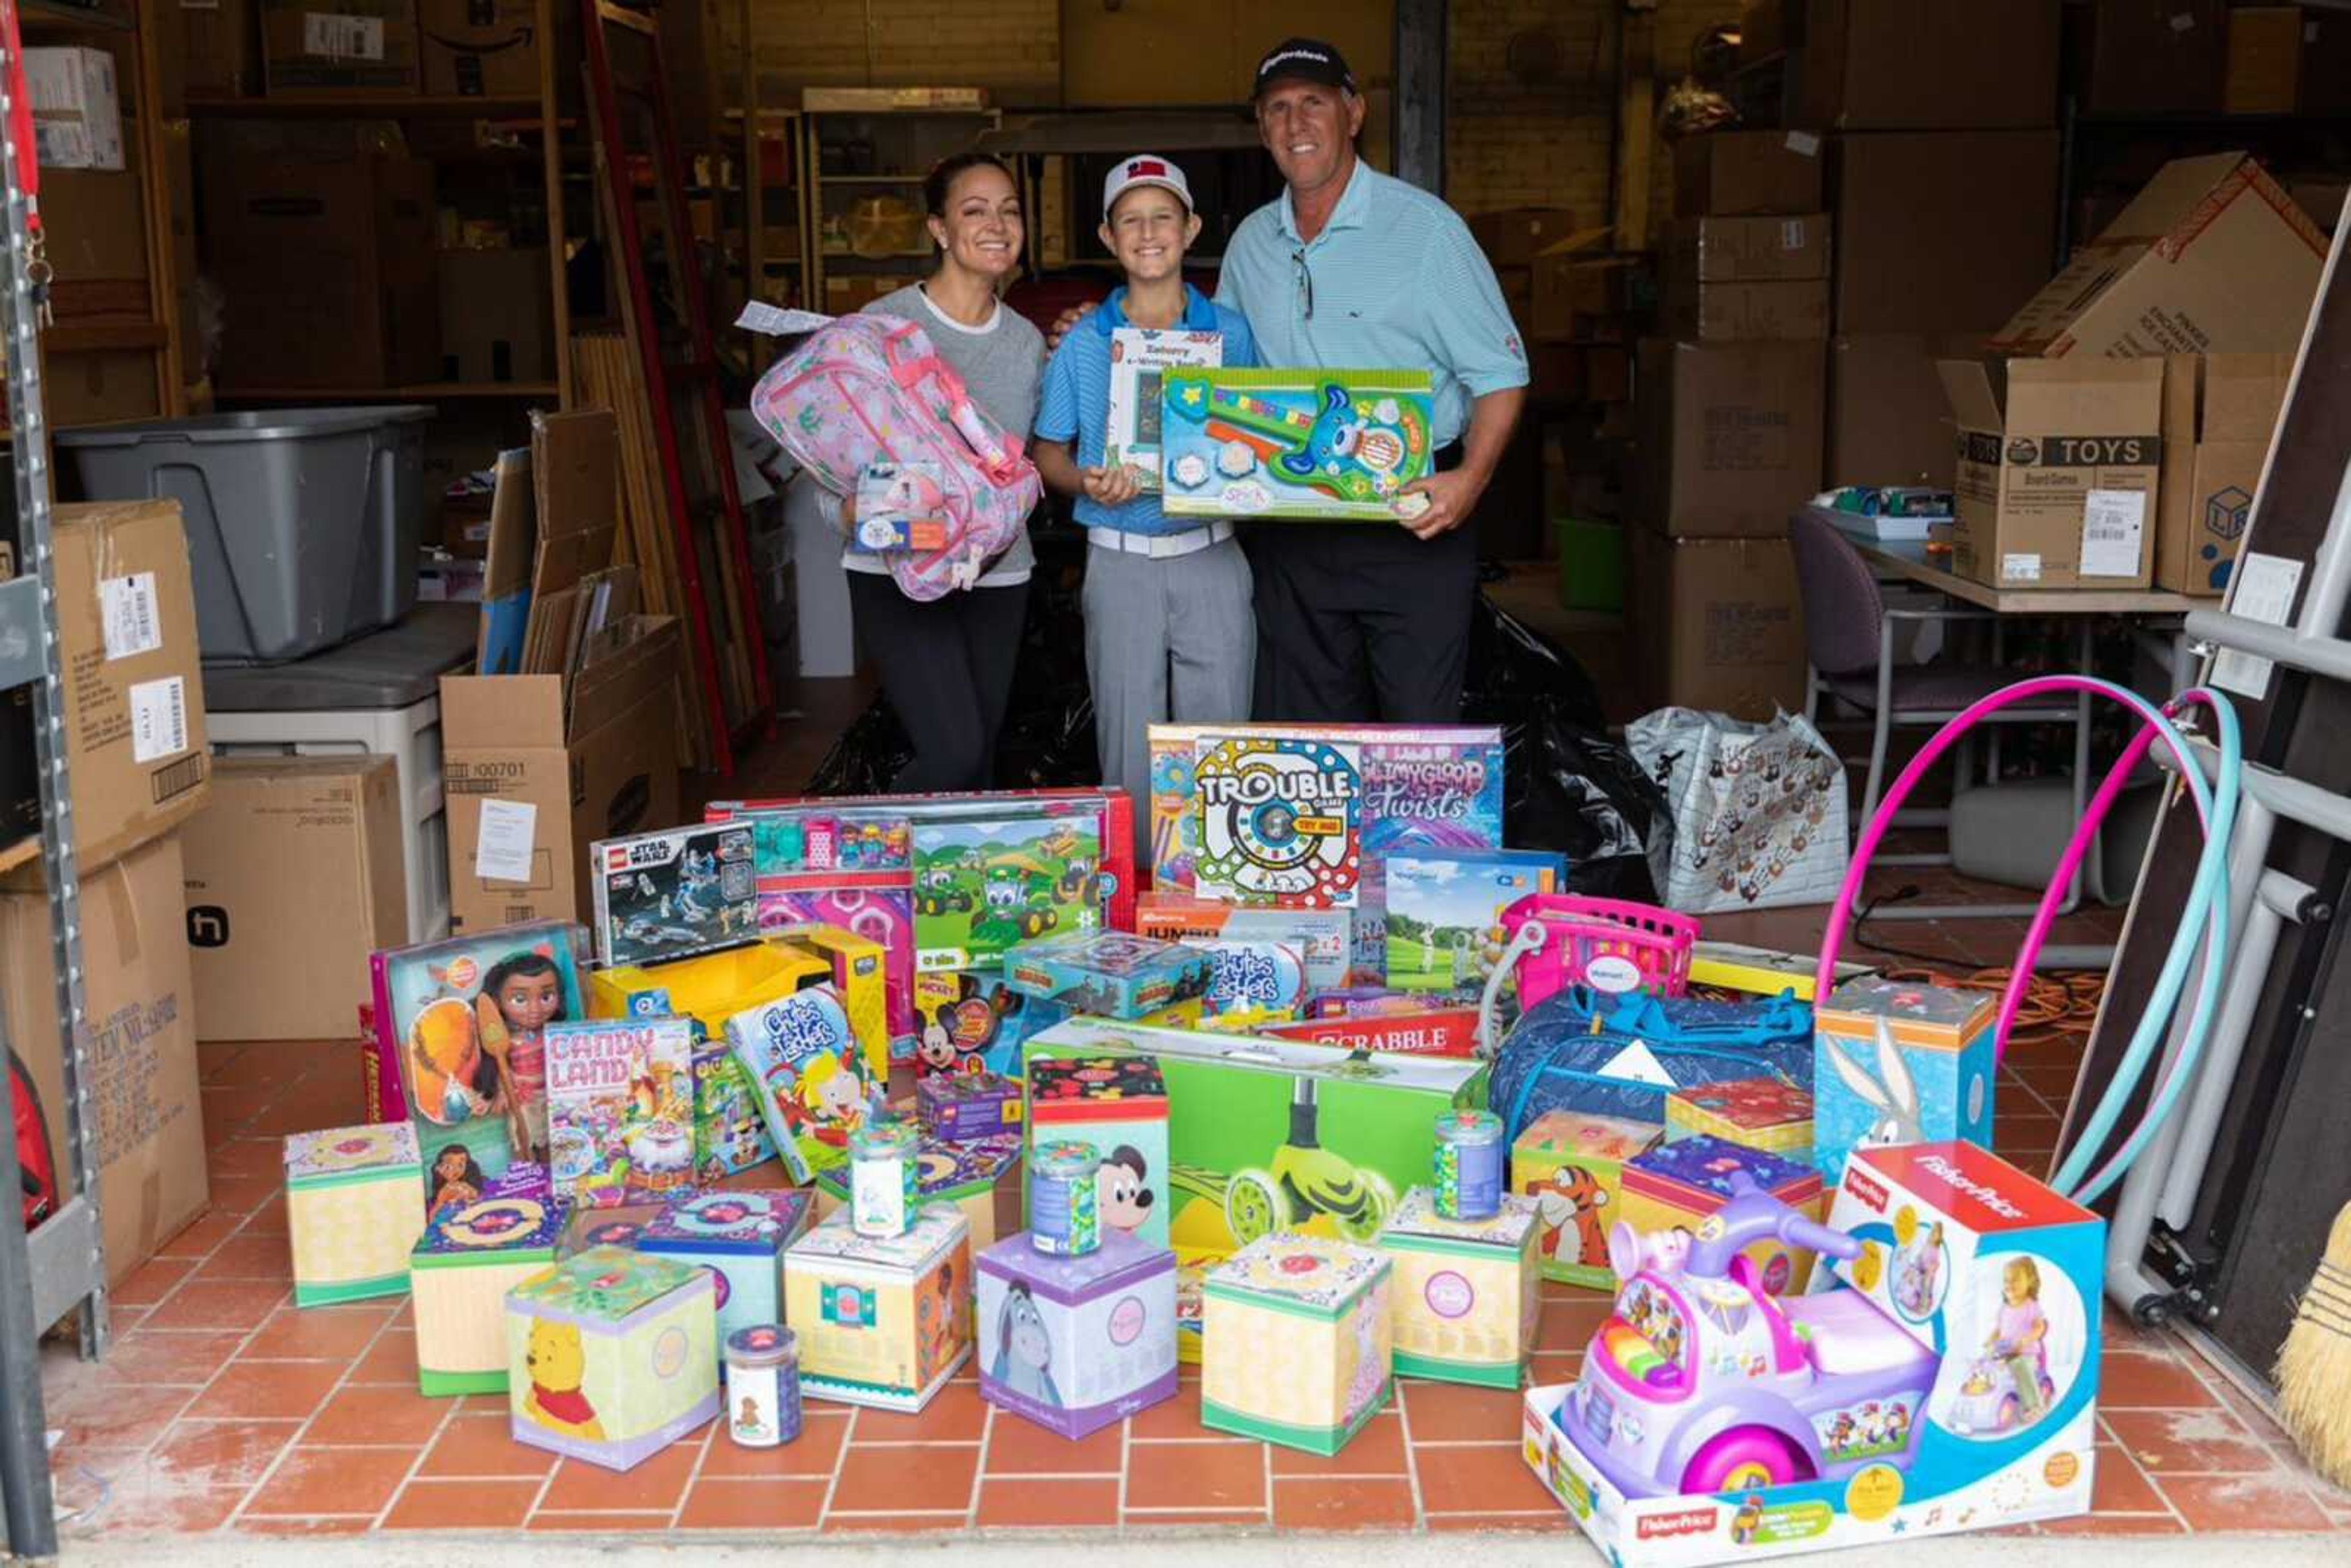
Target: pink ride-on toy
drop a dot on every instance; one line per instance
(1701, 1381)
(1987, 1402)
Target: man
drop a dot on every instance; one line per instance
(1351, 269)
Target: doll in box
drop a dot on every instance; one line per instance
(456, 1180)
(526, 994)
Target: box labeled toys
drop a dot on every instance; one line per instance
(1076, 1344)
(1571, 1165)
(471, 1255)
(1754, 1112)
(1896, 1061)
(1466, 1293)
(1116, 1105)
(813, 1084)
(1952, 1387)
(612, 1356)
(619, 1109)
(978, 1175)
(1317, 443)
(1673, 1187)
(1109, 974)
(673, 893)
(882, 1320)
(352, 1211)
(740, 1236)
(1139, 357)
(1297, 1342)
(1444, 913)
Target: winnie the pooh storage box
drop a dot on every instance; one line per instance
(460, 1272)
(354, 1206)
(612, 1356)
(1467, 1294)
(883, 1320)
(740, 1236)
(1296, 1339)
(1075, 1344)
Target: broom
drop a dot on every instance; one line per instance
(2314, 1366)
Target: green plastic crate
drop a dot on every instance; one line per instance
(1590, 564)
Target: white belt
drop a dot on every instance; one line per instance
(1160, 546)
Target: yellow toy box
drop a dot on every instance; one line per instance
(861, 974)
(1570, 1165)
(460, 1272)
(354, 1206)
(708, 990)
(612, 1356)
(1297, 1336)
(1466, 1293)
(882, 1320)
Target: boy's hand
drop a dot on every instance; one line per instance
(1112, 486)
(1064, 322)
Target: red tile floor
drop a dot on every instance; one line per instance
(222, 1409)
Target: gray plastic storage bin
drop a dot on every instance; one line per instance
(303, 524)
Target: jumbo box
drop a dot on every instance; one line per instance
(612, 1356)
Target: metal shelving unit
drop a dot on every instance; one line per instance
(60, 1268)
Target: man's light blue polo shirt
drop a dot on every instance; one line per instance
(1075, 405)
(1393, 281)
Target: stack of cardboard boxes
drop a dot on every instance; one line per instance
(1728, 426)
(132, 700)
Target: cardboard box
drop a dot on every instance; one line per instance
(1717, 623)
(609, 768)
(2057, 469)
(1868, 66)
(1516, 236)
(1579, 295)
(140, 1049)
(1923, 243)
(1746, 250)
(134, 691)
(498, 320)
(1888, 421)
(1747, 312)
(220, 51)
(2320, 199)
(479, 48)
(101, 386)
(359, 48)
(294, 877)
(2263, 75)
(1730, 436)
(2218, 412)
(327, 265)
(1737, 173)
(2211, 255)
(2145, 57)
(76, 107)
(95, 221)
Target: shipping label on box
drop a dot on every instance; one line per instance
(77, 109)
(1137, 356)
(1749, 249)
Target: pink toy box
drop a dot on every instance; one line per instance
(1950, 1384)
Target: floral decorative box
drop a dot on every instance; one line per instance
(740, 1236)
(460, 1272)
(354, 1206)
(883, 1320)
(1467, 1294)
(1295, 1342)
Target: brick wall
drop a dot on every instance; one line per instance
(1012, 48)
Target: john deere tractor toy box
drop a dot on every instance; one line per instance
(1311, 444)
(1266, 1135)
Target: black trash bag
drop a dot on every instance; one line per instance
(1569, 787)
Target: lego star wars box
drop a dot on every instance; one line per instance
(673, 894)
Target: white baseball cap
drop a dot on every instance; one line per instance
(1143, 169)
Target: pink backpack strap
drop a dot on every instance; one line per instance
(997, 453)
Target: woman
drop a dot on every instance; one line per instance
(946, 665)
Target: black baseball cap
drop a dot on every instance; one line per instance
(1306, 59)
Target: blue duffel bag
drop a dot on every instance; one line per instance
(1622, 1055)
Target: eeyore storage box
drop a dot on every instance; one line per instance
(612, 1356)
(1467, 1294)
(1295, 1342)
(460, 1272)
(1076, 1344)
(1900, 1062)
(882, 1320)
(740, 1236)
(353, 1209)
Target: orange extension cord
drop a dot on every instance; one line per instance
(2054, 1005)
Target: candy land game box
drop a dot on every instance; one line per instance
(620, 1109)
(1312, 444)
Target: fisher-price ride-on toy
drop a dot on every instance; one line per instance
(1987, 1402)
(1702, 1380)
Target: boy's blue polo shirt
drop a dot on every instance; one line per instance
(1075, 406)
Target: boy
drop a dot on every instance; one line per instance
(1170, 631)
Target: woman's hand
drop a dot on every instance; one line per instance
(1111, 486)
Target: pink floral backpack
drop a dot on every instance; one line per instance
(872, 389)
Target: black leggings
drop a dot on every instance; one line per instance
(946, 667)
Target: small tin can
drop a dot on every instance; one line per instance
(1064, 1213)
(883, 1178)
(1470, 1161)
(763, 1386)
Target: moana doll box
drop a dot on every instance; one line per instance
(459, 1274)
(1297, 1339)
(353, 1209)
(1570, 1167)
(1467, 1294)
(612, 1356)
(740, 1236)
(981, 1176)
(882, 1320)
(1076, 1344)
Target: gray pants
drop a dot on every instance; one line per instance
(1167, 639)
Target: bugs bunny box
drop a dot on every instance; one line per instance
(1900, 1062)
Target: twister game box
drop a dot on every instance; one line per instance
(1310, 444)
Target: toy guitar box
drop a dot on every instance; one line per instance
(1315, 839)
(460, 1043)
(673, 894)
(1314, 444)
(1950, 1384)
(620, 1109)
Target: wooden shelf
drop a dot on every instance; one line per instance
(36, 15)
(340, 106)
(419, 392)
(98, 337)
(870, 179)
